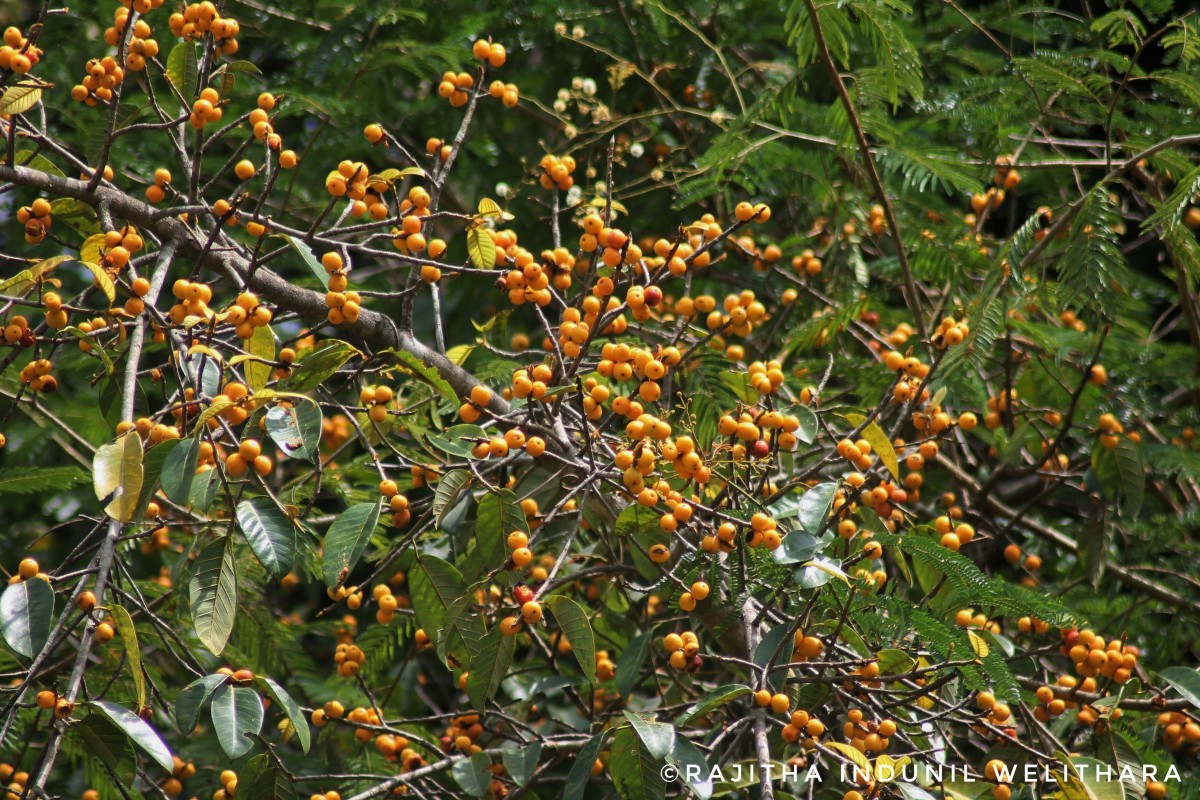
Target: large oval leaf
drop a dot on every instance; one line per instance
(133, 653)
(213, 591)
(192, 699)
(26, 614)
(489, 669)
(346, 540)
(270, 534)
(293, 712)
(138, 731)
(296, 429)
(236, 711)
(635, 772)
(573, 621)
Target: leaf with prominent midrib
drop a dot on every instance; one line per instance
(236, 711)
(635, 773)
(293, 712)
(262, 779)
(296, 429)
(261, 344)
(499, 515)
(472, 774)
(346, 540)
(270, 534)
(213, 592)
(133, 653)
(26, 614)
(581, 770)
(573, 621)
(191, 701)
(490, 668)
(179, 469)
(137, 729)
(433, 585)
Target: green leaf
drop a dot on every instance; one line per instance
(270, 534)
(629, 665)
(573, 621)
(433, 585)
(180, 469)
(28, 158)
(481, 248)
(19, 99)
(499, 515)
(290, 709)
(262, 345)
(712, 701)
(262, 779)
(520, 762)
(213, 592)
(1133, 476)
(879, 442)
(686, 755)
(635, 773)
(318, 365)
(472, 774)
(310, 260)
(133, 653)
(809, 424)
(296, 429)
(193, 698)
(137, 729)
(236, 711)
(449, 489)
(1184, 680)
(33, 481)
(346, 540)
(658, 737)
(490, 668)
(425, 372)
(117, 473)
(452, 440)
(1083, 784)
(581, 770)
(107, 744)
(26, 615)
(183, 68)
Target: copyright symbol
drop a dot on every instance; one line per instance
(669, 773)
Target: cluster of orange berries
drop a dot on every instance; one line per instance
(750, 428)
(18, 332)
(94, 325)
(762, 258)
(807, 263)
(17, 54)
(36, 375)
(158, 540)
(395, 748)
(17, 780)
(617, 249)
(805, 647)
(157, 191)
(57, 317)
(779, 703)
(723, 541)
(408, 238)
(532, 382)
(950, 332)
(249, 454)
(531, 611)
(229, 782)
(199, 19)
(683, 650)
(436, 147)
(193, 297)
(119, 246)
(398, 503)
(103, 75)
(991, 199)
(454, 87)
(1178, 730)
(343, 305)
(350, 179)
(376, 400)
(1006, 176)
(37, 220)
(180, 771)
(1094, 656)
(867, 736)
(246, 314)
(1014, 556)
(518, 545)
(686, 459)
(388, 603)
(801, 725)
(556, 172)
(236, 398)
(348, 657)
(953, 535)
(967, 618)
(1110, 431)
(207, 108)
(461, 734)
(529, 282)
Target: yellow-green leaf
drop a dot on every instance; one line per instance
(133, 653)
(390, 176)
(205, 350)
(10, 286)
(102, 280)
(879, 442)
(888, 769)
(222, 403)
(599, 202)
(481, 248)
(117, 472)
(978, 644)
(19, 99)
(489, 208)
(92, 249)
(860, 761)
(262, 345)
(460, 353)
